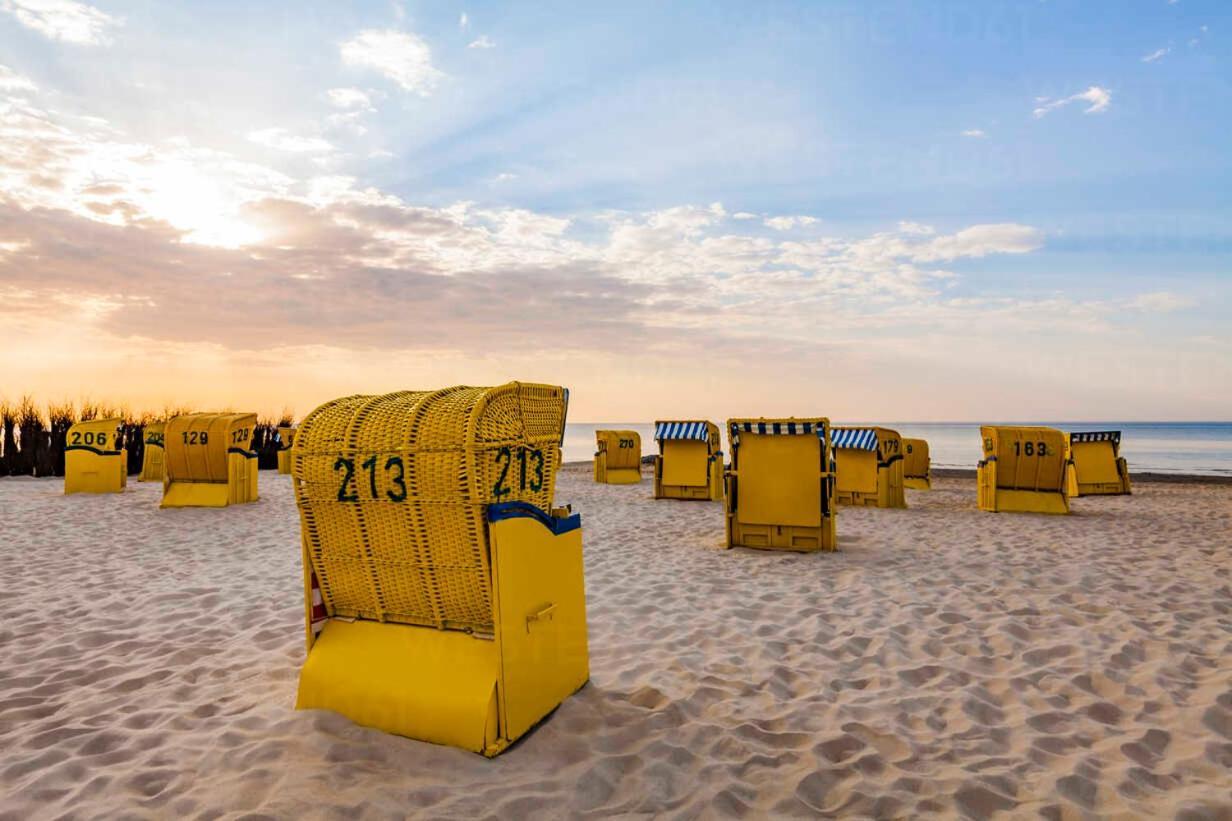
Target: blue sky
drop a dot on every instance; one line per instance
(932, 187)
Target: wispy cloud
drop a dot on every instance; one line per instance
(1155, 55)
(399, 55)
(787, 223)
(12, 82)
(1160, 302)
(349, 98)
(975, 132)
(482, 41)
(463, 21)
(279, 139)
(1098, 97)
(63, 20)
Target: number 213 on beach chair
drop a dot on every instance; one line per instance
(443, 593)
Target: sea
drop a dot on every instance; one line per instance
(1202, 448)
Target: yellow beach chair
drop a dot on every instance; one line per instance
(286, 438)
(443, 594)
(690, 461)
(1094, 465)
(869, 464)
(780, 488)
(1023, 470)
(917, 468)
(152, 459)
(209, 461)
(94, 462)
(618, 457)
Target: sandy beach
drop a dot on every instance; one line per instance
(946, 661)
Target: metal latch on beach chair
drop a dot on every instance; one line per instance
(541, 615)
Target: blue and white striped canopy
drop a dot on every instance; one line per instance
(782, 428)
(682, 430)
(857, 438)
(1113, 436)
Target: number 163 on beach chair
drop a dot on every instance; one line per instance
(443, 592)
(1023, 470)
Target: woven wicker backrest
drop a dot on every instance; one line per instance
(392, 492)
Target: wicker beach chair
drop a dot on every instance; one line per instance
(618, 457)
(869, 462)
(1023, 470)
(690, 461)
(1094, 465)
(209, 461)
(153, 462)
(286, 438)
(780, 486)
(917, 467)
(94, 461)
(443, 594)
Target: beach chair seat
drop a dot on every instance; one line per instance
(1023, 470)
(690, 461)
(94, 459)
(444, 596)
(869, 467)
(286, 438)
(780, 485)
(209, 461)
(153, 454)
(1094, 465)
(618, 457)
(917, 467)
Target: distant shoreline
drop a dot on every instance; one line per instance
(1146, 477)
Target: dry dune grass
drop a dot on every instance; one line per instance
(946, 661)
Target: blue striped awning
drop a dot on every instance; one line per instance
(781, 428)
(682, 430)
(1113, 436)
(857, 438)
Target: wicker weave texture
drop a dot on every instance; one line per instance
(392, 492)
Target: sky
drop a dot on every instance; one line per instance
(918, 211)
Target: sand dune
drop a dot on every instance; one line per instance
(946, 661)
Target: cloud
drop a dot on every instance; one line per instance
(744, 215)
(463, 21)
(787, 223)
(1160, 302)
(1155, 55)
(1099, 99)
(349, 98)
(63, 20)
(481, 41)
(980, 241)
(280, 140)
(974, 132)
(11, 82)
(399, 55)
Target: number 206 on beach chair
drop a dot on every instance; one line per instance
(443, 594)
(208, 461)
(94, 462)
(1023, 470)
(1094, 465)
(780, 488)
(618, 457)
(690, 461)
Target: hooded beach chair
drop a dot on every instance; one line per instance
(286, 438)
(869, 465)
(209, 460)
(780, 487)
(94, 461)
(917, 468)
(690, 461)
(443, 594)
(1094, 465)
(1023, 470)
(618, 457)
(152, 457)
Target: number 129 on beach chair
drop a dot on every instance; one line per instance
(209, 460)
